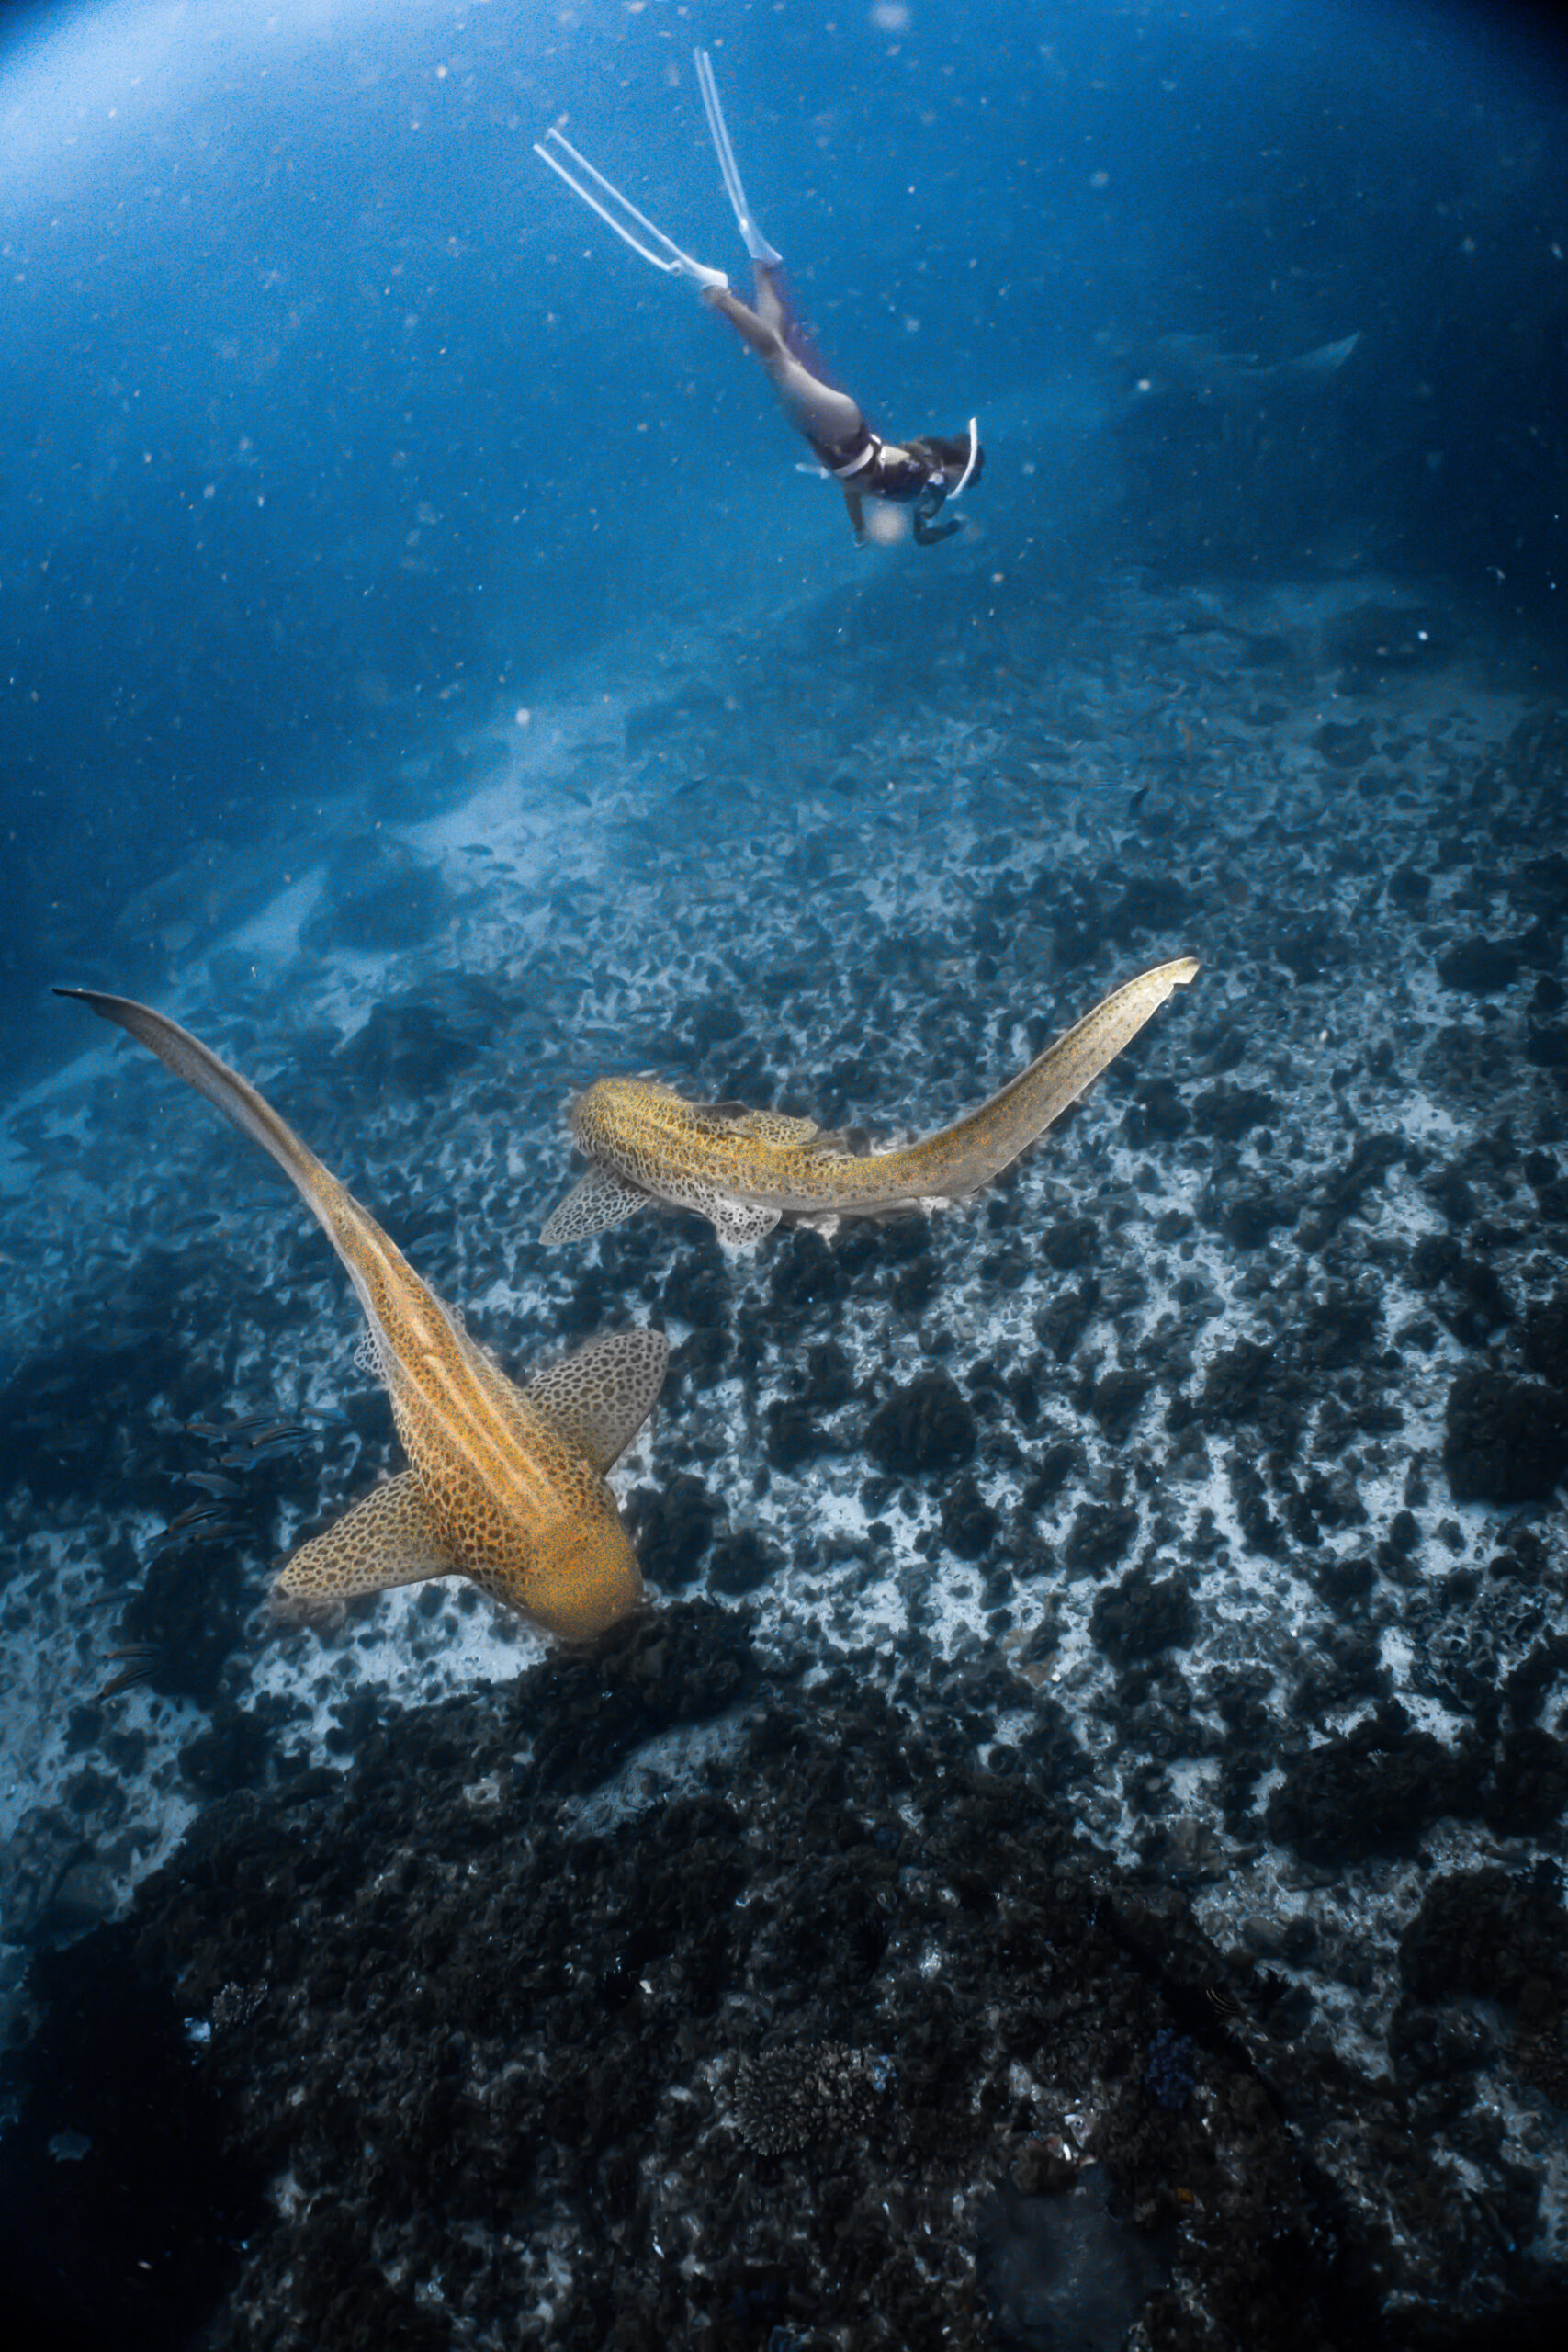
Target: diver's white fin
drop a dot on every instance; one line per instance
(756, 243)
(595, 1202)
(618, 212)
(599, 1397)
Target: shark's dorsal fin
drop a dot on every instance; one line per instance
(595, 1202)
(774, 1126)
(599, 1397)
(768, 1127)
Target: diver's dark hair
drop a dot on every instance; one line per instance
(947, 450)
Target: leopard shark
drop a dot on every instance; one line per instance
(745, 1169)
(504, 1485)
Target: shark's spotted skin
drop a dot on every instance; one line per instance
(504, 1485)
(744, 1169)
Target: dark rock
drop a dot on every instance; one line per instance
(805, 1273)
(1102, 1534)
(672, 1527)
(405, 1051)
(1246, 1217)
(927, 1426)
(1142, 1616)
(1346, 743)
(1486, 1934)
(1070, 1243)
(1546, 1337)
(1343, 1582)
(1373, 1791)
(1117, 1401)
(1307, 946)
(1479, 967)
(1156, 1115)
(159, 2186)
(1342, 1191)
(969, 1525)
(740, 1562)
(829, 1379)
(1504, 1441)
(714, 1021)
(1228, 1113)
(1063, 1324)
(1150, 902)
(1050, 1473)
(1530, 1784)
(796, 1433)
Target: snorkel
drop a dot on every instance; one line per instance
(974, 460)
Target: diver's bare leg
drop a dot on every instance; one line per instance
(812, 408)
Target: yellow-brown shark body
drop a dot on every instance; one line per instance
(504, 1485)
(745, 1170)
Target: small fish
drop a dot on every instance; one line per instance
(505, 1485)
(276, 1434)
(744, 1169)
(214, 1430)
(221, 1488)
(206, 1530)
(194, 1516)
(144, 1659)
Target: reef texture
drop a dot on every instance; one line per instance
(449, 2050)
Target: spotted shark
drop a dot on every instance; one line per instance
(504, 1485)
(744, 1169)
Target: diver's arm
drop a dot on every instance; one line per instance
(926, 535)
(929, 533)
(856, 506)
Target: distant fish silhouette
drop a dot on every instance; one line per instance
(505, 1485)
(744, 1169)
(1194, 366)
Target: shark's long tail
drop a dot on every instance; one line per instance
(226, 1090)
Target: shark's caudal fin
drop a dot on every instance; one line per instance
(968, 1155)
(223, 1088)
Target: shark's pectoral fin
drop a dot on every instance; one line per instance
(737, 1222)
(594, 1204)
(388, 1537)
(599, 1397)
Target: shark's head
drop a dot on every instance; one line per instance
(585, 1579)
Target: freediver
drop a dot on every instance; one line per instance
(924, 474)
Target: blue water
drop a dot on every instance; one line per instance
(431, 668)
(325, 410)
